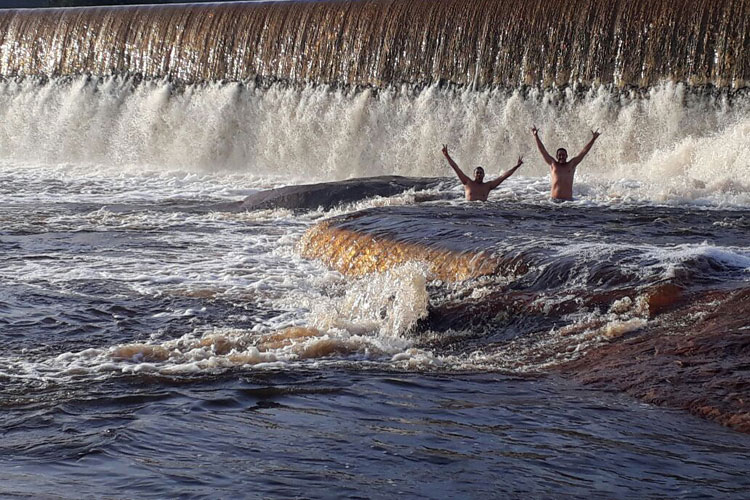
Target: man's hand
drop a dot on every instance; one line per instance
(595, 134)
(534, 130)
(445, 149)
(520, 161)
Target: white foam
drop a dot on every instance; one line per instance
(388, 303)
(141, 145)
(537, 351)
(327, 318)
(671, 259)
(666, 146)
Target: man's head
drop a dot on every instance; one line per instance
(562, 155)
(479, 174)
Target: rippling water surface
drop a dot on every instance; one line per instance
(154, 348)
(354, 433)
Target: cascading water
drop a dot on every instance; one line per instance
(159, 339)
(381, 43)
(672, 142)
(682, 139)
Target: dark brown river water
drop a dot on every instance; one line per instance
(155, 345)
(148, 350)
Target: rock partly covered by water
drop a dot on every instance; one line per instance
(696, 357)
(356, 254)
(670, 341)
(328, 195)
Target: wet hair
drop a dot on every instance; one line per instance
(561, 149)
(479, 168)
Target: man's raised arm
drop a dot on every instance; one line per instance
(496, 182)
(539, 145)
(459, 173)
(594, 134)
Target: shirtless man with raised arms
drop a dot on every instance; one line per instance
(562, 170)
(477, 189)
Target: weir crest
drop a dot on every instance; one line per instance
(378, 43)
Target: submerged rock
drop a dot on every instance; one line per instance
(664, 341)
(696, 358)
(356, 254)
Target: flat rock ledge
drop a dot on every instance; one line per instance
(694, 353)
(691, 359)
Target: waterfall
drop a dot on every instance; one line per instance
(380, 43)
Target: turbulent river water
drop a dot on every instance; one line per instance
(161, 339)
(119, 292)
(154, 346)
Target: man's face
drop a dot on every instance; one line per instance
(562, 155)
(479, 174)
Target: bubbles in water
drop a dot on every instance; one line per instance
(388, 303)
